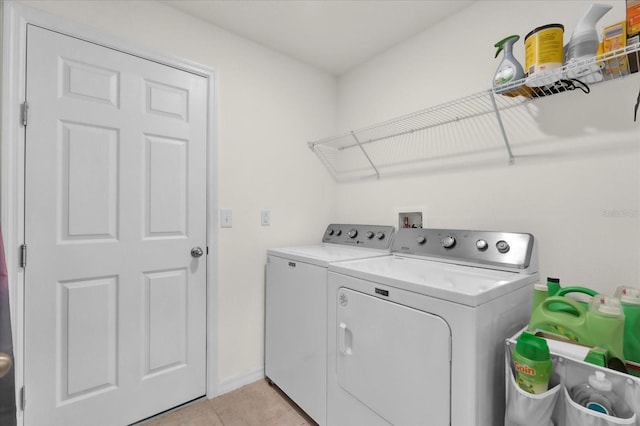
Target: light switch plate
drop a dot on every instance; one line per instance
(265, 217)
(226, 218)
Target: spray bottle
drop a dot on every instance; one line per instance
(510, 69)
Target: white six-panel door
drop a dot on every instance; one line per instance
(115, 200)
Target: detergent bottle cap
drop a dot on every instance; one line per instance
(533, 347)
(628, 295)
(553, 285)
(606, 305)
(542, 287)
(600, 382)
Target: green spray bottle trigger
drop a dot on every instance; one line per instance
(509, 69)
(509, 41)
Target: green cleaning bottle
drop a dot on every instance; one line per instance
(532, 363)
(510, 69)
(630, 300)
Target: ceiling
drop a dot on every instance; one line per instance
(333, 35)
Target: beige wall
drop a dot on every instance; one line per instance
(576, 187)
(268, 106)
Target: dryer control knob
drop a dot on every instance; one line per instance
(330, 232)
(482, 245)
(352, 233)
(369, 234)
(449, 241)
(502, 246)
(380, 235)
(338, 232)
(421, 239)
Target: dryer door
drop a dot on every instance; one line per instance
(394, 359)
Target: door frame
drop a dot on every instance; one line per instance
(15, 18)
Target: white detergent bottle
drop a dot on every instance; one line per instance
(584, 44)
(584, 39)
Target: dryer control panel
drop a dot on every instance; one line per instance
(501, 249)
(368, 236)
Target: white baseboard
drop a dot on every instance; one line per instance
(239, 381)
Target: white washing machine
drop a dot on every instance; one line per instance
(417, 337)
(296, 309)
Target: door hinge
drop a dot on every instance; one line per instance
(24, 109)
(23, 398)
(23, 256)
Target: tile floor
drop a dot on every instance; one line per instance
(256, 404)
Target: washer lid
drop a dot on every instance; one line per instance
(324, 254)
(465, 285)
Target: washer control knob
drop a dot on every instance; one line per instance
(330, 232)
(422, 239)
(502, 246)
(338, 232)
(369, 234)
(449, 241)
(352, 233)
(482, 245)
(380, 235)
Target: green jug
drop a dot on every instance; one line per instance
(601, 324)
(554, 289)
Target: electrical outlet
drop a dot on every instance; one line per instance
(226, 218)
(265, 217)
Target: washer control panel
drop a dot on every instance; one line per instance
(369, 236)
(505, 249)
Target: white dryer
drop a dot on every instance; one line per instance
(417, 337)
(296, 309)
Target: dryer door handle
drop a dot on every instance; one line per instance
(345, 338)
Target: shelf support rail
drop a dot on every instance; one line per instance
(504, 133)
(365, 154)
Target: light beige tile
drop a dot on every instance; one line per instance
(198, 414)
(258, 404)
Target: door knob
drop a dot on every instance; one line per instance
(5, 364)
(196, 252)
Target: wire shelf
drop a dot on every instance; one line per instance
(442, 132)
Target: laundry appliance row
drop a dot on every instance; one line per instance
(411, 334)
